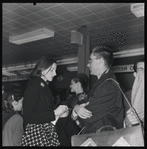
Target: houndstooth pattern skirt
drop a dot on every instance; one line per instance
(40, 135)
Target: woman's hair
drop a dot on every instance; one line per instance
(105, 52)
(10, 97)
(82, 79)
(43, 64)
(135, 64)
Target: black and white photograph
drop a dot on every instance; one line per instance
(73, 71)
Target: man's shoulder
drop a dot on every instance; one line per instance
(108, 84)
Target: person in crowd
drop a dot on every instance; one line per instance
(3, 95)
(129, 92)
(67, 127)
(78, 85)
(38, 111)
(137, 95)
(104, 106)
(12, 121)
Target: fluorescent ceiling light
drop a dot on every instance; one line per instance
(72, 68)
(129, 53)
(31, 36)
(5, 73)
(138, 9)
(66, 61)
(18, 67)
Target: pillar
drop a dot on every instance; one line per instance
(84, 52)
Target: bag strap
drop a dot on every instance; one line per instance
(133, 110)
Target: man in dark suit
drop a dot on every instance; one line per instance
(105, 99)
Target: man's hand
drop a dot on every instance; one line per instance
(82, 111)
(131, 119)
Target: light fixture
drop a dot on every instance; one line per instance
(18, 67)
(14, 78)
(66, 61)
(129, 53)
(72, 68)
(76, 37)
(138, 9)
(5, 73)
(31, 36)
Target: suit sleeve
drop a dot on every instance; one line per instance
(31, 99)
(102, 102)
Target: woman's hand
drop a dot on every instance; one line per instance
(131, 118)
(65, 114)
(82, 111)
(60, 109)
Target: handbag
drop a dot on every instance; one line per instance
(110, 136)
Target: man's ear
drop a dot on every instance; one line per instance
(101, 61)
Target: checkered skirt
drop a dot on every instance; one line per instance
(40, 135)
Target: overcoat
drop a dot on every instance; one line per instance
(105, 102)
(38, 103)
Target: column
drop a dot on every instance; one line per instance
(84, 52)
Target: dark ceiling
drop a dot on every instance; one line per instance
(110, 24)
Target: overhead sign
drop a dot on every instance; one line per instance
(123, 68)
(14, 78)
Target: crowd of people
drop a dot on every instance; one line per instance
(44, 122)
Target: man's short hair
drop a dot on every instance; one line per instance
(135, 64)
(105, 52)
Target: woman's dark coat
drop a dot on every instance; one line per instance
(38, 103)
